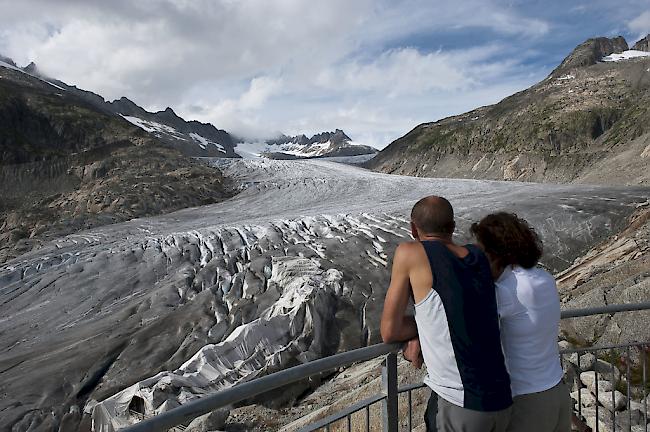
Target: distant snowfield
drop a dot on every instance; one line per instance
(293, 268)
(625, 55)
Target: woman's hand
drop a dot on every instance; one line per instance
(413, 353)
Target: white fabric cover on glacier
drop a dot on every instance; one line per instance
(289, 330)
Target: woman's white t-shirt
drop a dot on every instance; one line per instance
(529, 311)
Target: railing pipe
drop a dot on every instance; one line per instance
(239, 392)
(629, 307)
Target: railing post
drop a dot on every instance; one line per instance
(389, 383)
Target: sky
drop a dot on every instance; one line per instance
(257, 68)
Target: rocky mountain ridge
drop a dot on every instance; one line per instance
(192, 138)
(68, 163)
(324, 144)
(588, 121)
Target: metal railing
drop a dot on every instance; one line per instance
(390, 391)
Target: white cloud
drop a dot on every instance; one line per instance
(256, 67)
(640, 25)
(407, 71)
(240, 115)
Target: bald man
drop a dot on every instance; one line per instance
(455, 319)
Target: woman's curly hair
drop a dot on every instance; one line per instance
(509, 239)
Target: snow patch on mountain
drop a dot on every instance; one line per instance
(625, 55)
(153, 127)
(204, 142)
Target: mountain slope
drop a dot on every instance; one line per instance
(68, 163)
(586, 122)
(192, 138)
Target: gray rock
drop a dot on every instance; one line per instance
(603, 386)
(213, 421)
(587, 361)
(587, 399)
(588, 378)
(643, 44)
(607, 371)
(617, 402)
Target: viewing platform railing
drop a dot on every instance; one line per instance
(390, 391)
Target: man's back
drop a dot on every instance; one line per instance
(458, 328)
(456, 320)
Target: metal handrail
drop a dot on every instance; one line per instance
(247, 390)
(599, 310)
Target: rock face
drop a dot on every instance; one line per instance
(325, 144)
(643, 44)
(587, 122)
(590, 52)
(616, 271)
(192, 138)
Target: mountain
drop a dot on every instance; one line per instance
(588, 121)
(643, 44)
(324, 144)
(68, 162)
(192, 138)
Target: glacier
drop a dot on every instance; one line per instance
(162, 310)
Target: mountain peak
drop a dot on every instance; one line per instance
(7, 60)
(31, 68)
(591, 52)
(643, 44)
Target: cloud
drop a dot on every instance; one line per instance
(375, 68)
(640, 25)
(240, 115)
(407, 71)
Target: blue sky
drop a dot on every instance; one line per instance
(259, 67)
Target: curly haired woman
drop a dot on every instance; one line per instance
(529, 310)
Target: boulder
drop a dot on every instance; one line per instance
(213, 421)
(615, 402)
(587, 399)
(607, 371)
(588, 378)
(586, 361)
(603, 386)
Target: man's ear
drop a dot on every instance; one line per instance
(414, 231)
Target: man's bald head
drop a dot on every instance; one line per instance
(433, 215)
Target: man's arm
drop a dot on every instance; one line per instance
(395, 325)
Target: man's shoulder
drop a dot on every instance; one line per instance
(409, 247)
(407, 251)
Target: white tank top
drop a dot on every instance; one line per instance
(529, 311)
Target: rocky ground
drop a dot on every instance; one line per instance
(616, 271)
